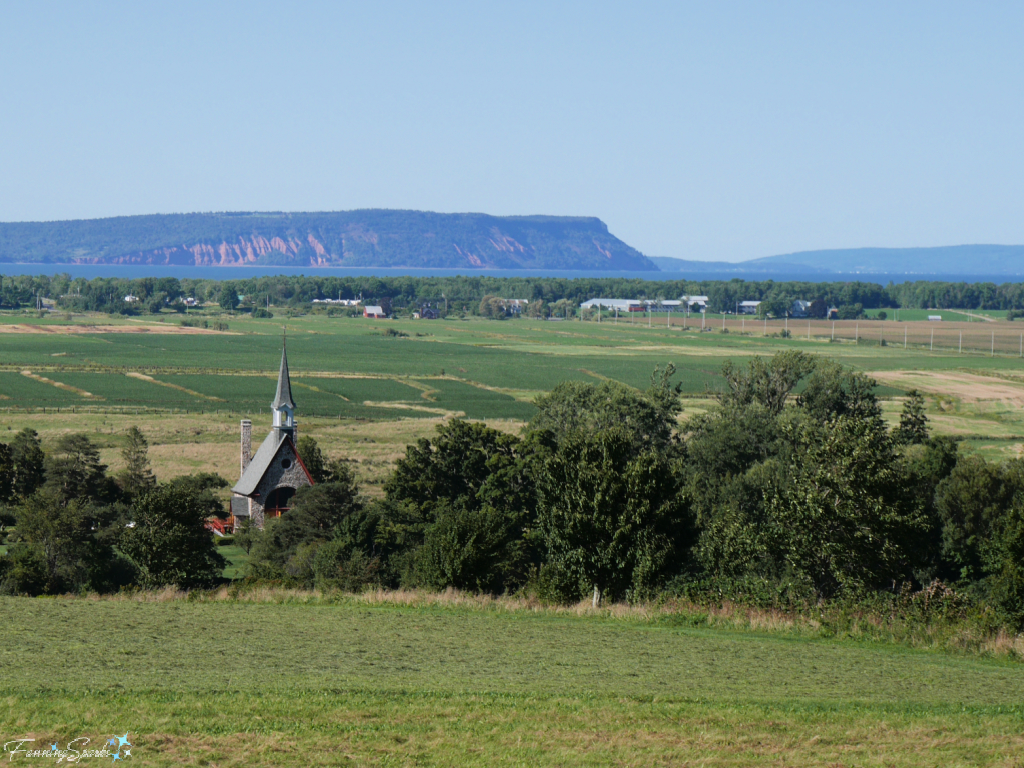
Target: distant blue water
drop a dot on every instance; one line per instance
(235, 273)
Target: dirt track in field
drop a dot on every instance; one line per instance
(58, 330)
(968, 387)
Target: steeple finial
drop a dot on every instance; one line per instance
(283, 399)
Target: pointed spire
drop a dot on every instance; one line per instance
(284, 385)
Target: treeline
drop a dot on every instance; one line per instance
(465, 293)
(70, 527)
(767, 497)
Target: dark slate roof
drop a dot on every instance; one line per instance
(260, 463)
(284, 385)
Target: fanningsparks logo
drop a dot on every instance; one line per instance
(115, 748)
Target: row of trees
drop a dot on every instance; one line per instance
(767, 495)
(69, 526)
(464, 293)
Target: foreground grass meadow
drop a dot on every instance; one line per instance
(292, 679)
(368, 680)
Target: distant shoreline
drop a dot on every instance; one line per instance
(242, 272)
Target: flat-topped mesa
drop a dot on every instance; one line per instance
(270, 477)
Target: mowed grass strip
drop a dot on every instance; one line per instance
(345, 727)
(154, 645)
(232, 683)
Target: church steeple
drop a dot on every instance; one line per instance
(283, 405)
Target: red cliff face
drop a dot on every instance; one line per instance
(414, 239)
(244, 251)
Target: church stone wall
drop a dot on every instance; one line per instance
(277, 476)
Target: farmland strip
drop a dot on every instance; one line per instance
(151, 380)
(59, 385)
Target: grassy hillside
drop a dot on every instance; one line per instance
(351, 238)
(352, 683)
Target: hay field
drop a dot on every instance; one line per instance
(294, 680)
(349, 375)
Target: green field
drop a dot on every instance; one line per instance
(353, 683)
(349, 369)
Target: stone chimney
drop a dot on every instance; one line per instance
(246, 443)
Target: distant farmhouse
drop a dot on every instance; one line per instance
(748, 307)
(800, 308)
(373, 310)
(272, 475)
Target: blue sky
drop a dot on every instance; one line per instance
(718, 130)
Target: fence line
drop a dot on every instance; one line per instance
(998, 338)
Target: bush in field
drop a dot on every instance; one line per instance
(331, 511)
(167, 540)
(843, 523)
(610, 515)
(62, 545)
(228, 297)
(466, 502)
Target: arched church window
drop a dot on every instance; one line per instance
(279, 501)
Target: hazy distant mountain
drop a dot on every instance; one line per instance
(740, 268)
(368, 238)
(966, 260)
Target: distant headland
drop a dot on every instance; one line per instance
(364, 238)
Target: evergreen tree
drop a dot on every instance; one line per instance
(913, 428)
(28, 463)
(74, 471)
(137, 477)
(6, 475)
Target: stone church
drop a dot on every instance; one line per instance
(272, 475)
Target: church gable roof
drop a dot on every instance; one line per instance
(260, 463)
(284, 385)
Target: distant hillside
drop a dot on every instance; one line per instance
(966, 260)
(943, 260)
(741, 268)
(368, 238)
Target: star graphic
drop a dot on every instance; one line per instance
(116, 757)
(112, 742)
(53, 747)
(122, 741)
(127, 753)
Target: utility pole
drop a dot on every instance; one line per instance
(960, 349)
